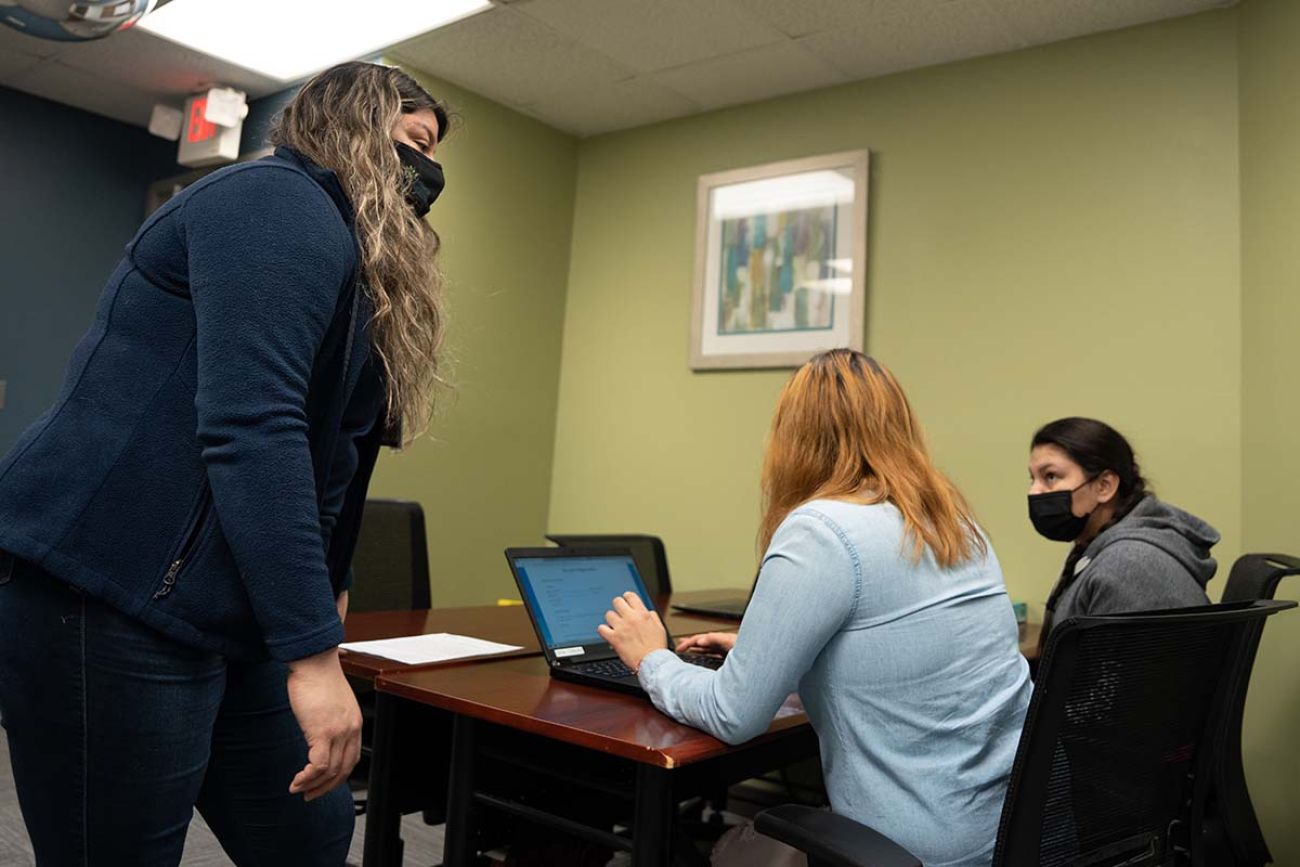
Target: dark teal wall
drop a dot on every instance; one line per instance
(72, 191)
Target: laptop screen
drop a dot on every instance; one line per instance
(570, 595)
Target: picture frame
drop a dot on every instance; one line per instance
(780, 262)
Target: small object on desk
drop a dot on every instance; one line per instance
(1021, 610)
(731, 608)
(505, 603)
(436, 647)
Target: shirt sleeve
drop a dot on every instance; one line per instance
(268, 257)
(807, 589)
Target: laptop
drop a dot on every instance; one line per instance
(729, 608)
(566, 592)
(652, 561)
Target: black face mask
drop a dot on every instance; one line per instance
(423, 176)
(1052, 515)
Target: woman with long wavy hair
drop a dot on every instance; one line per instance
(176, 531)
(880, 602)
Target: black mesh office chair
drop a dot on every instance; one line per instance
(1256, 576)
(647, 551)
(390, 565)
(1126, 721)
(1233, 833)
(390, 569)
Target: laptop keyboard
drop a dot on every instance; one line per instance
(616, 668)
(605, 668)
(713, 662)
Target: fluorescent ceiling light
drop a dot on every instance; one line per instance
(291, 39)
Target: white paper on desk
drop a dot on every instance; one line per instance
(437, 647)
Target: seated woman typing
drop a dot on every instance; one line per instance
(880, 602)
(1131, 551)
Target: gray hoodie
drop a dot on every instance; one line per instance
(1156, 556)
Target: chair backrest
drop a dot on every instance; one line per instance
(1127, 717)
(647, 551)
(390, 566)
(1233, 832)
(1256, 576)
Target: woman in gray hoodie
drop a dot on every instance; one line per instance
(1131, 551)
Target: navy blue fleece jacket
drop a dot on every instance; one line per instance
(191, 470)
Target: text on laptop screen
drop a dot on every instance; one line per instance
(572, 594)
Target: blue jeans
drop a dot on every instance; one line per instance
(117, 733)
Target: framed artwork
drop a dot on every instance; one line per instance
(780, 262)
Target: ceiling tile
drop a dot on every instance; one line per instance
(916, 38)
(760, 73)
(88, 91)
(15, 40)
(814, 16)
(141, 60)
(13, 64)
(650, 36)
(509, 57)
(1040, 23)
(609, 106)
(590, 66)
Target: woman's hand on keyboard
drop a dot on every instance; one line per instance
(633, 630)
(707, 642)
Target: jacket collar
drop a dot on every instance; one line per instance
(327, 179)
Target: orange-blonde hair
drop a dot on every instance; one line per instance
(844, 429)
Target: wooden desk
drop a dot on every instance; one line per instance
(513, 713)
(1029, 641)
(507, 624)
(418, 707)
(521, 694)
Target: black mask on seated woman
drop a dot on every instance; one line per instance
(1052, 515)
(424, 178)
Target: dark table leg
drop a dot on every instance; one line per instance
(383, 843)
(458, 840)
(652, 819)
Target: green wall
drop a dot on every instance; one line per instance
(1052, 232)
(1067, 229)
(483, 472)
(1270, 268)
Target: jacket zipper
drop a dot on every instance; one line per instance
(191, 539)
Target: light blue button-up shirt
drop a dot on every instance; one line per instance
(911, 675)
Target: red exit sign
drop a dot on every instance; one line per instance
(198, 129)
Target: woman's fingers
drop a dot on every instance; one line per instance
(715, 642)
(318, 760)
(345, 752)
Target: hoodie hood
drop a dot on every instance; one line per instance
(1179, 534)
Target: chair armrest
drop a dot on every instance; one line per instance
(830, 839)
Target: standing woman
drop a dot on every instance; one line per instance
(175, 532)
(879, 601)
(1130, 552)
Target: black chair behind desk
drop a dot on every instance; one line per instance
(390, 568)
(1234, 833)
(1127, 719)
(390, 565)
(647, 552)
